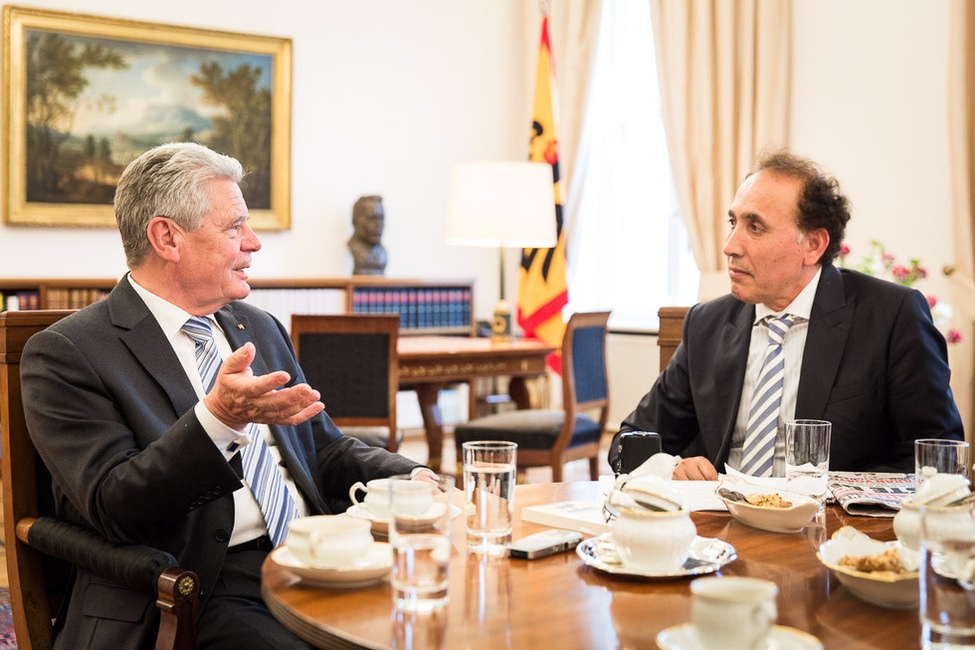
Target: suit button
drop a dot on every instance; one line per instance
(222, 535)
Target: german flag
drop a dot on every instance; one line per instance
(542, 288)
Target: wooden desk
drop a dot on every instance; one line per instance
(557, 602)
(428, 363)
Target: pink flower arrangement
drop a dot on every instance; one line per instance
(884, 265)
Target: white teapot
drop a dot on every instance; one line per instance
(652, 532)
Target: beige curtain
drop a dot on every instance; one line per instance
(961, 126)
(724, 70)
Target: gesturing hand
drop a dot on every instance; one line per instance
(238, 397)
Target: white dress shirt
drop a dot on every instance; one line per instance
(793, 345)
(249, 522)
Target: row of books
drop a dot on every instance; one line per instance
(418, 307)
(282, 303)
(15, 300)
(57, 298)
(60, 298)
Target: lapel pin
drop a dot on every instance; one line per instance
(239, 326)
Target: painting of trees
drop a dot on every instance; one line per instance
(56, 80)
(244, 130)
(85, 95)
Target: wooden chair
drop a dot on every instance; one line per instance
(670, 333)
(555, 437)
(669, 336)
(351, 360)
(40, 549)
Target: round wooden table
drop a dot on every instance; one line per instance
(558, 602)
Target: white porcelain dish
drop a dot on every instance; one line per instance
(884, 589)
(684, 637)
(706, 555)
(373, 567)
(380, 526)
(775, 520)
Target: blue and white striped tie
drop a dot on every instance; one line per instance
(264, 479)
(763, 416)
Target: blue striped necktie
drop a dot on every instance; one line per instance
(763, 416)
(264, 479)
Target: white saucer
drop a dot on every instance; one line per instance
(372, 568)
(380, 525)
(684, 637)
(706, 555)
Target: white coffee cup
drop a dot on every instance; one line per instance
(329, 540)
(733, 613)
(376, 501)
(414, 501)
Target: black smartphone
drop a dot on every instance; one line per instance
(635, 447)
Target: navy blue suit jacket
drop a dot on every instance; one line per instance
(874, 365)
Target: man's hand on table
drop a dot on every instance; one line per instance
(696, 468)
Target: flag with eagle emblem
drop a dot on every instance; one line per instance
(542, 287)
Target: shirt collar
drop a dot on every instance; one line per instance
(799, 308)
(170, 317)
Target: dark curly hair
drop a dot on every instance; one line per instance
(821, 204)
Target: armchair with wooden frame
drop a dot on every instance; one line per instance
(670, 333)
(41, 549)
(550, 437)
(351, 360)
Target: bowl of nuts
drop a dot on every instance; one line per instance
(882, 573)
(759, 506)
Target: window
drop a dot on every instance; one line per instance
(629, 249)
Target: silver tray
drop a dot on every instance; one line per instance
(707, 555)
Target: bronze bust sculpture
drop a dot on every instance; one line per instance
(368, 219)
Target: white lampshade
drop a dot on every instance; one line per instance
(506, 204)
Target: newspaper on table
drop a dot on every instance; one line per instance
(870, 494)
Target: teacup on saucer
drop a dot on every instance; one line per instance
(329, 540)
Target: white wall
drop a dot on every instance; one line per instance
(387, 95)
(869, 101)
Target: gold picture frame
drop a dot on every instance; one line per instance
(83, 95)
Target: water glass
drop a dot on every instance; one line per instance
(947, 577)
(489, 487)
(421, 543)
(807, 457)
(944, 456)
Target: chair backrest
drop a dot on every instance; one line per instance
(670, 333)
(37, 581)
(584, 377)
(351, 360)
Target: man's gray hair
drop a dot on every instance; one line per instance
(167, 181)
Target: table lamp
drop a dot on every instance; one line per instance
(503, 204)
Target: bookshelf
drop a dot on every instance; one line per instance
(424, 306)
(52, 293)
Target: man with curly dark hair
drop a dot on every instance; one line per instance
(860, 352)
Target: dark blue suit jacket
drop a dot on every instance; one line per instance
(110, 410)
(874, 365)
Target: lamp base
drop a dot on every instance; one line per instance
(501, 325)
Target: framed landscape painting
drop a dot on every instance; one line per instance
(84, 95)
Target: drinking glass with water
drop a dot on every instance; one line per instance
(420, 534)
(947, 579)
(489, 487)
